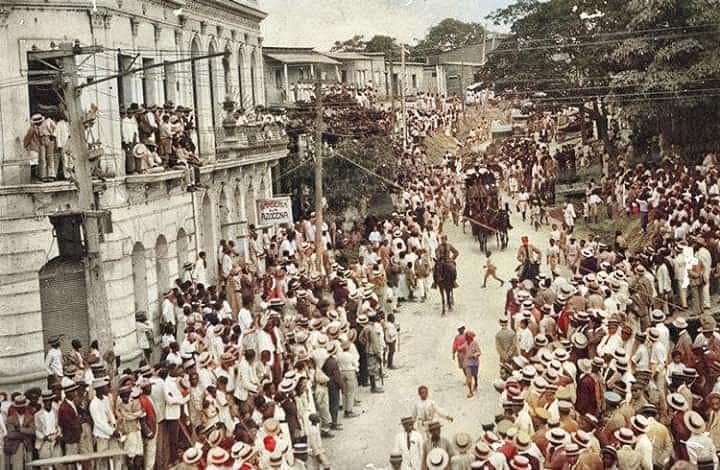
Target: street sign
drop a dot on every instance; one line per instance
(274, 211)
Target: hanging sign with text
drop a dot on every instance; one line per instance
(276, 210)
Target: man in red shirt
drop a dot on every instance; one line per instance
(70, 421)
(149, 425)
(459, 347)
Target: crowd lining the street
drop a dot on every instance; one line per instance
(608, 355)
(256, 361)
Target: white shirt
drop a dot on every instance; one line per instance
(525, 340)
(46, 425)
(246, 380)
(62, 133)
(53, 362)
(608, 344)
(244, 319)
(103, 417)
(168, 312)
(129, 129)
(199, 272)
(173, 399)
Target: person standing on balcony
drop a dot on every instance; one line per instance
(165, 147)
(62, 137)
(48, 167)
(129, 132)
(32, 143)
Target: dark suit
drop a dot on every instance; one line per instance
(70, 423)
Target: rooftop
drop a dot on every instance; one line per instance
(297, 55)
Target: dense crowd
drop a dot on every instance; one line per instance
(609, 355)
(257, 360)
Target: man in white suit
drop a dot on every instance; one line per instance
(409, 444)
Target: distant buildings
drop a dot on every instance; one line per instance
(289, 71)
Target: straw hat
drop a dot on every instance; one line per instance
(625, 436)
(192, 455)
(462, 441)
(217, 456)
(677, 402)
(694, 422)
(437, 459)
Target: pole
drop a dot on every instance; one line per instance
(97, 303)
(462, 85)
(392, 86)
(403, 103)
(319, 248)
(484, 50)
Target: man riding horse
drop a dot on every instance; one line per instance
(445, 271)
(529, 258)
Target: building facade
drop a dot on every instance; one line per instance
(290, 71)
(155, 223)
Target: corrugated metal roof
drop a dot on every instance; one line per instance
(348, 55)
(301, 58)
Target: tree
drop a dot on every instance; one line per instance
(354, 44)
(380, 43)
(449, 34)
(657, 61)
(357, 136)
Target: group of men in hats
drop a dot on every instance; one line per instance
(157, 137)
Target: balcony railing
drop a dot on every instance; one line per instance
(246, 139)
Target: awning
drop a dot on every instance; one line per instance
(301, 58)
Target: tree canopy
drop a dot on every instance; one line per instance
(657, 60)
(356, 43)
(449, 34)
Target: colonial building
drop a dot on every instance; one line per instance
(155, 223)
(289, 72)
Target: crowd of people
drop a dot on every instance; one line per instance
(609, 355)
(257, 360)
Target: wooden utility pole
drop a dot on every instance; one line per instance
(403, 104)
(462, 85)
(392, 85)
(319, 248)
(97, 302)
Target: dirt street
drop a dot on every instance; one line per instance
(425, 358)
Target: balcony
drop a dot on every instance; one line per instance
(243, 141)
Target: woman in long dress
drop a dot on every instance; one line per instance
(199, 272)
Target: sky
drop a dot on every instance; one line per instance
(319, 23)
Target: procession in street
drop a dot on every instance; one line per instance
(476, 250)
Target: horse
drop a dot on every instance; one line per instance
(480, 234)
(501, 222)
(444, 277)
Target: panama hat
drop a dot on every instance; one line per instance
(520, 462)
(677, 402)
(625, 436)
(556, 436)
(694, 422)
(437, 459)
(462, 441)
(217, 456)
(192, 455)
(639, 423)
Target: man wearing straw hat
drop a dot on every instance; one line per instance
(433, 445)
(409, 444)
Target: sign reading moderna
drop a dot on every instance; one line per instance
(276, 210)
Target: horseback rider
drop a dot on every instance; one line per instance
(445, 251)
(528, 256)
(446, 254)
